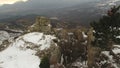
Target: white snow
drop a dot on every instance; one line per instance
(118, 37)
(49, 25)
(118, 46)
(33, 37)
(18, 56)
(36, 38)
(111, 60)
(116, 50)
(107, 54)
(84, 35)
(15, 58)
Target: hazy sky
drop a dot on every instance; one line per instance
(9, 1)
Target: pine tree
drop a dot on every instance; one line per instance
(107, 28)
(44, 62)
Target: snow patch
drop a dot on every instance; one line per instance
(84, 35)
(14, 57)
(116, 50)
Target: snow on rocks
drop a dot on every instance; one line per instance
(110, 60)
(116, 49)
(79, 64)
(113, 55)
(18, 55)
(84, 35)
(34, 39)
(3, 36)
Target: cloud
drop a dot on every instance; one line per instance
(9, 1)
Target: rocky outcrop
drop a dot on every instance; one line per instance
(42, 24)
(32, 47)
(4, 36)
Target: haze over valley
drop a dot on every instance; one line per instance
(77, 12)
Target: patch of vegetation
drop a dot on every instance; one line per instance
(107, 28)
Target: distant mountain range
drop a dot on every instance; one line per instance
(79, 14)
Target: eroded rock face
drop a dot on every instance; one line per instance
(42, 24)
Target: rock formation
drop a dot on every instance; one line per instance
(42, 24)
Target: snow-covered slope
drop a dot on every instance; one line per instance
(21, 53)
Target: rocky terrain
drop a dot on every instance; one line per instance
(63, 47)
